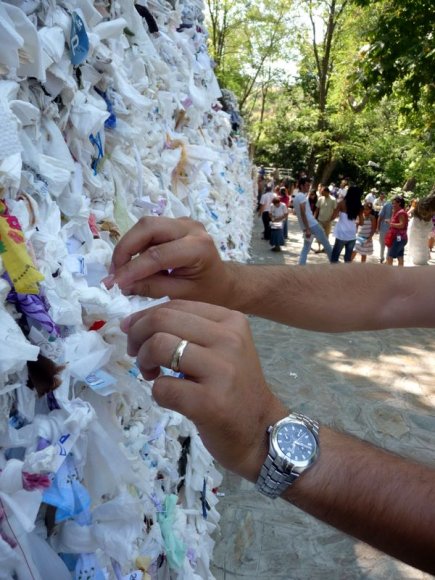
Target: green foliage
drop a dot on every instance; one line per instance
(366, 113)
(245, 39)
(400, 49)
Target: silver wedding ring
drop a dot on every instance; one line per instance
(176, 357)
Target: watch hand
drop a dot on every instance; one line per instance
(302, 445)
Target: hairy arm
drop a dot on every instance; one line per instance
(161, 256)
(335, 298)
(375, 496)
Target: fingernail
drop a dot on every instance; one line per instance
(125, 323)
(108, 281)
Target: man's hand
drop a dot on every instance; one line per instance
(174, 257)
(224, 391)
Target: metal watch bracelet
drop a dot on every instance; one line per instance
(274, 479)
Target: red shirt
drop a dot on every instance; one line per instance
(396, 219)
(285, 199)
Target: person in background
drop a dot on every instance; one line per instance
(285, 199)
(342, 190)
(365, 232)
(278, 212)
(376, 496)
(378, 204)
(292, 192)
(333, 189)
(263, 212)
(399, 228)
(431, 241)
(308, 224)
(411, 209)
(319, 190)
(275, 176)
(420, 228)
(383, 227)
(278, 186)
(312, 200)
(324, 211)
(348, 211)
(371, 196)
(261, 186)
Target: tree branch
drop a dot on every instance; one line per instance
(313, 25)
(266, 54)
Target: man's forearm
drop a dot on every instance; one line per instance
(335, 298)
(377, 497)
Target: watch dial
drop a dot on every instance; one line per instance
(296, 442)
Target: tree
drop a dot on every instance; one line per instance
(400, 50)
(245, 39)
(317, 73)
(331, 120)
(225, 18)
(332, 12)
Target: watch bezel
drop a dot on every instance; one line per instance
(286, 462)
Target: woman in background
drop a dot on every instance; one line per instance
(365, 231)
(399, 228)
(278, 214)
(348, 211)
(312, 200)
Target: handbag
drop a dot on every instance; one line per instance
(390, 238)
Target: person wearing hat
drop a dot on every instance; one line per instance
(371, 196)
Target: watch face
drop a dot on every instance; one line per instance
(296, 442)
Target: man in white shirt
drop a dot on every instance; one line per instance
(265, 201)
(371, 196)
(309, 226)
(379, 204)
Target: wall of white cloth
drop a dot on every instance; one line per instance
(109, 111)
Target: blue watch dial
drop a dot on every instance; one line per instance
(296, 442)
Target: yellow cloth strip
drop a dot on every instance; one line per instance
(15, 257)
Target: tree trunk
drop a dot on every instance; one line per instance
(410, 184)
(311, 162)
(327, 171)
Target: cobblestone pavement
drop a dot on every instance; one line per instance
(377, 385)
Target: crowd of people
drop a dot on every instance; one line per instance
(358, 217)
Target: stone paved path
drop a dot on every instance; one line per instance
(376, 385)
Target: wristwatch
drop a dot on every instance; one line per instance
(293, 448)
